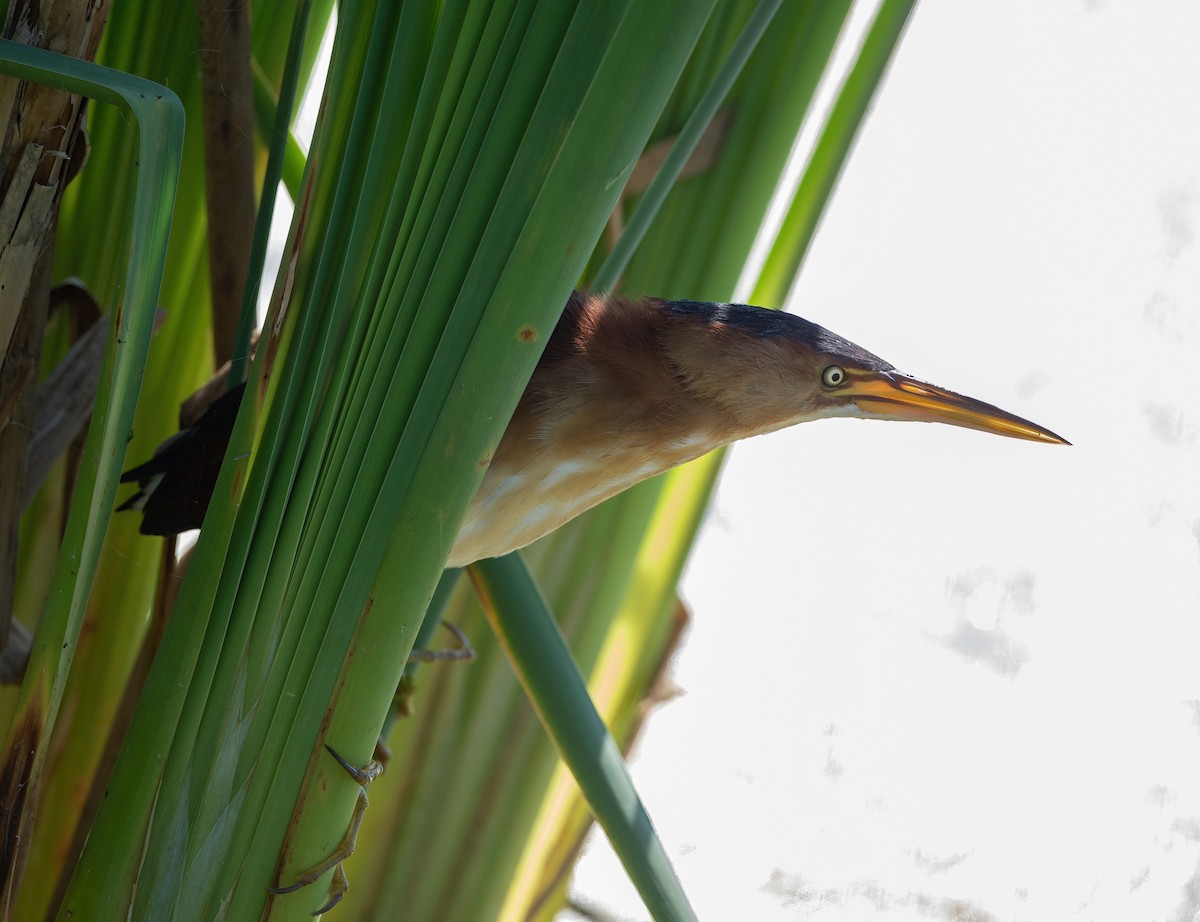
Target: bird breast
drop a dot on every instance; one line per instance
(517, 504)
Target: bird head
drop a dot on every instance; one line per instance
(770, 370)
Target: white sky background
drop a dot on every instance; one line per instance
(929, 670)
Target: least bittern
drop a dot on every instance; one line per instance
(625, 389)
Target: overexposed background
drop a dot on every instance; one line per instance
(934, 674)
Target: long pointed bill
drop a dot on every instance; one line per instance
(892, 395)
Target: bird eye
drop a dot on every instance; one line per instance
(833, 376)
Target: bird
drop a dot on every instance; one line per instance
(625, 389)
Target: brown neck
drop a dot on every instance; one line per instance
(608, 381)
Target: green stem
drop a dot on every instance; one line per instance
(266, 206)
(693, 130)
(552, 682)
(159, 117)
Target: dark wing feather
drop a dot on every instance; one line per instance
(177, 483)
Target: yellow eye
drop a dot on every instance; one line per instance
(833, 376)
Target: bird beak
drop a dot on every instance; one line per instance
(892, 395)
